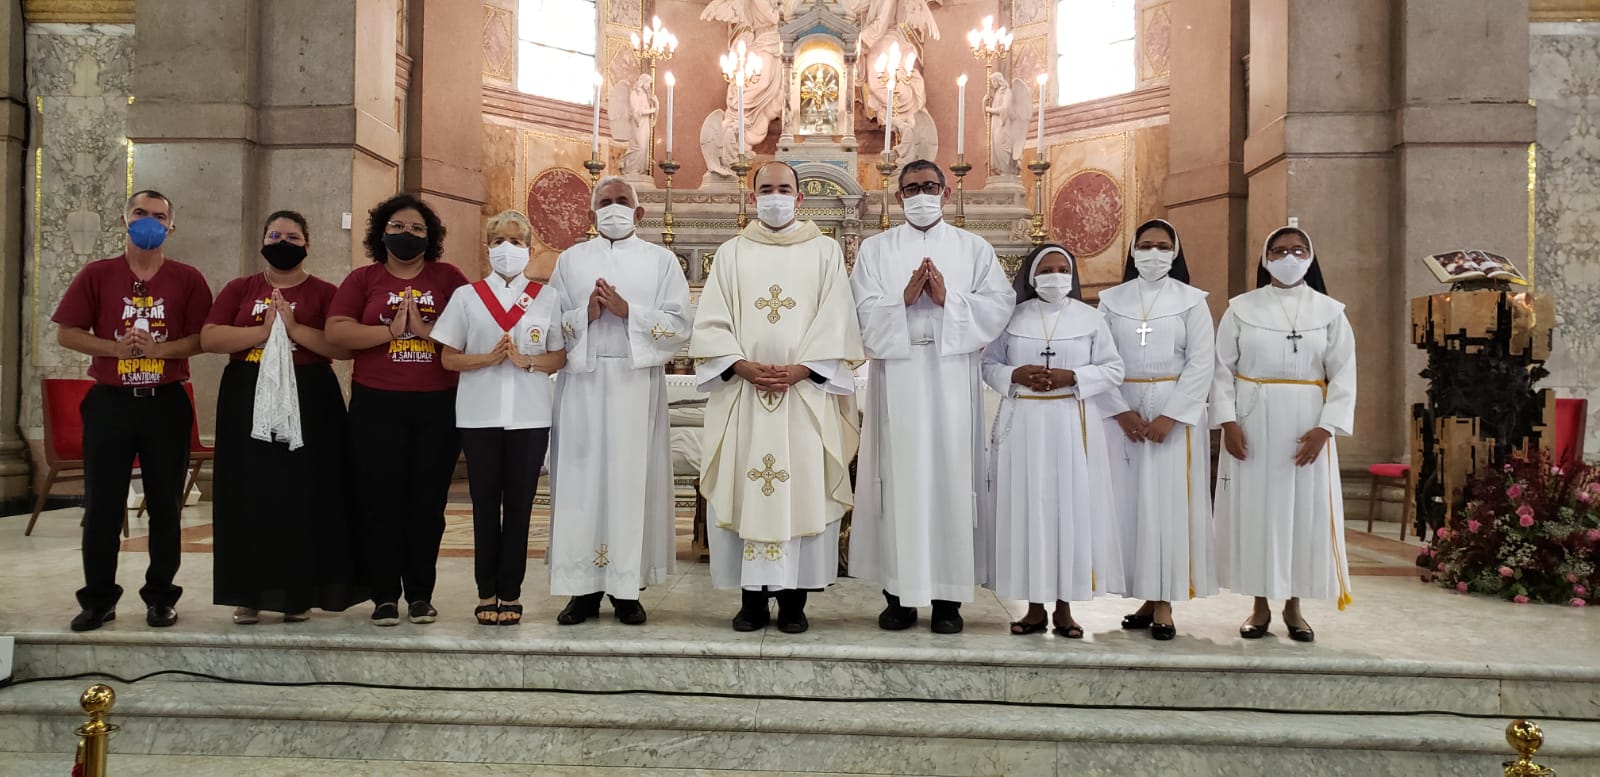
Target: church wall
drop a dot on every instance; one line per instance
(1565, 82)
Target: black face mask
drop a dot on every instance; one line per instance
(283, 255)
(405, 246)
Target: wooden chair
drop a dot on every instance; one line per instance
(199, 452)
(1572, 423)
(63, 440)
(1391, 474)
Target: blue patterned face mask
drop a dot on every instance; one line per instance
(147, 233)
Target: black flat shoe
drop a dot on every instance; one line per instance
(579, 609)
(487, 614)
(628, 611)
(1302, 635)
(160, 616)
(1020, 628)
(792, 612)
(753, 614)
(91, 619)
(894, 617)
(386, 614)
(1256, 632)
(946, 618)
(1073, 631)
(1136, 621)
(421, 612)
(1163, 632)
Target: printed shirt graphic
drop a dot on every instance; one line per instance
(244, 302)
(102, 299)
(371, 295)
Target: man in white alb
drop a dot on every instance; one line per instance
(930, 298)
(777, 333)
(625, 314)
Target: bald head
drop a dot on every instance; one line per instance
(777, 177)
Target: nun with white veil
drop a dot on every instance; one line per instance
(1285, 386)
(1047, 531)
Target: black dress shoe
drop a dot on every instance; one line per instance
(946, 617)
(894, 617)
(421, 612)
(1136, 621)
(579, 609)
(753, 614)
(629, 611)
(1255, 632)
(1302, 635)
(792, 612)
(1163, 632)
(91, 619)
(160, 616)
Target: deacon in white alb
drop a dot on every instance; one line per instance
(1050, 532)
(777, 333)
(1156, 428)
(625, 314)
(930, 298)
(1285, 385)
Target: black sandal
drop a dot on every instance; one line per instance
(490, 610)
(1020, 628)
(1256, 631)
(512, 610)
(1073, 631)
(1135, 622)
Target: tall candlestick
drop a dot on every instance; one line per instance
(741, 117)
(1043, 78)
(888, 123)
(594, 144)
(961, 114)
(670, 83)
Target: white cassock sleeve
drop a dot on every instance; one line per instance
(574, 320)
(1103, 374)
(977, 315)
(1187, 402)
(880, 308)
(1339, 365)
(1224, 407)
(997, 366)
(656, 331)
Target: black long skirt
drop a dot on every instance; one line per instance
(283, 522)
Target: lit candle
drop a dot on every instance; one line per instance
(594, 145)
(961, 115)
(888, 123)
(1043, 78)
(670, 82)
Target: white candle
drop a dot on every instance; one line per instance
(594, 144)
(1043, 78)
(961, 115)
(670, 83)
(740, 79)
(888, 121)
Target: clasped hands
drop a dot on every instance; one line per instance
(605, 298)
(505, 350)
(279, 307)
(137, 343)
(1308, 448)
(1037, 378)
(407, 318)
(775, 378)
(1139, 430)
(926, 279)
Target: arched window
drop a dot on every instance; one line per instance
(556, 49)
(1094, 49)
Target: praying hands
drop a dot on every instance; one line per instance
(776, 378)
(1037, 378)
(606, 299)
(926, 279)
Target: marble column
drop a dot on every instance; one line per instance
(13, 165)
(444, 125)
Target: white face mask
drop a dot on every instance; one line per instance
(1053, 287)
(1153, 264)
(924, 210)
(508, 259)
(775, 210)
(1290, 269)
(614, 221)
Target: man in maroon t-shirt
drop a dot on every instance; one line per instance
(139, 316)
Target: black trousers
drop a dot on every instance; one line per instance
(404, 445)
(118, 425)
(502, 474)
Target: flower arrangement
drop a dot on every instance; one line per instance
(1530, 532)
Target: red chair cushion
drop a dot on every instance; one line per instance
(1389, 470)
(63, 424)
(1572, 416)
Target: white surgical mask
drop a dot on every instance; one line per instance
(1153, 264)
(614, 221)
(1290, 269)
(924, 210)
(775, 210)
(1053, 287)
(508, 258)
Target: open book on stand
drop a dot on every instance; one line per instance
(1469, 266)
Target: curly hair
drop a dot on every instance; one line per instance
(378, 219)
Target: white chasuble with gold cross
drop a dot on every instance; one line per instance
(776, 464)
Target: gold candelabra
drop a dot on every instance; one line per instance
(1038, 167)
(652, 45)
(669, 168)
(886, 168)
(989, 45)
(93, 736)
(741, 168)
(594, 166)
(960, 169)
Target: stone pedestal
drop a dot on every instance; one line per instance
(13, 164)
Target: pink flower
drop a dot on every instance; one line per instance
(1508, 467)
(1578, 603)
(1525, 521)
(1440, 568)
(1526, 511)
(1595, 486)
(1473, 526)
(1572, 577)
(1514, 492)
(1583, 496)
(1580, 590)
(1520, 599)
(1556, 471)
(1461, 587)
(1443, 533)
(1506, 572)
(1593, 535)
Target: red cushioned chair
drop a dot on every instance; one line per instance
(1572, 422)
(1391, 474)
(63, 439)
(199, 452)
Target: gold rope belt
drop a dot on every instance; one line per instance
(1163, 379)
(1045, 397)
(1322, 384)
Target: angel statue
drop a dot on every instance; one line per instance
(719, 142)
(919, 138)
(881, 17)
(633, 108)
(755, 23)
(1008, 109)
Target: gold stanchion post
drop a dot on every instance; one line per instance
(1526, 738)
(93, 736)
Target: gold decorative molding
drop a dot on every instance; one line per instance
(78, 11)
(1563, 10)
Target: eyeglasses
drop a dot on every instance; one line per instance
(291, 237)
(140, 289)
(914, 189)
(1297, 252)
(396, 227)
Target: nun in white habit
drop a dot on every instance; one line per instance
(1160, 452)
(1285, 386)
(1047, 531)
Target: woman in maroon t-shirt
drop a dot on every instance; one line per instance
(280, 549)
(404, 442)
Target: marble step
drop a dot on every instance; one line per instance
(126, 765)
(935, 739)
(1035, 671)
